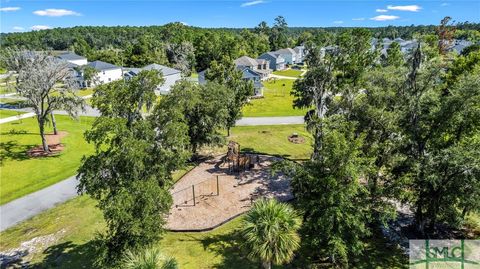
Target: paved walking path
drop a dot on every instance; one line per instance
(270, 120)
(246, 121)
(19, 117)
(32, 204)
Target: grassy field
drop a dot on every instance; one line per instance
(289, 73)
(21, 174)
(4, 113)
(85, 92)
(73, 226)
(273, 140)
(277, 101)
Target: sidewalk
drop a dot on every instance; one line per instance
(19, 117)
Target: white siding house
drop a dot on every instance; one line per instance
(288, 54)
(73, 58)
(170, 75)
(106, 72)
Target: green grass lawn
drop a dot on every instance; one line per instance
(85, 92)
(194, 75)
(4, 89)
(21, 174)
(289, 73)
(277, 101)
(5, 113)
(75, 223)
(273, 140)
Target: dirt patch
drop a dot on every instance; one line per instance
(54, 144)
(296, 138)
(20, 257)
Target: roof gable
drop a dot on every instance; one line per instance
(166, 71)
(70, 56)
(99, 65)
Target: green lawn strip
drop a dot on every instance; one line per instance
(5, 113)
(4, 89)
(22, 174)
(277, 101)
(85, 92)
(273, 140)
(289, 73)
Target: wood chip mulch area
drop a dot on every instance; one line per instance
(54, 144)
(236, 192)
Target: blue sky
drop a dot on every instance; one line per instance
(25, 15)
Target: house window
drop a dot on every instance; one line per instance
(104, 72)
(109, 79)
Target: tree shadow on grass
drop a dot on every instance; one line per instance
(228, 246)
(283, 156)
(11, 150)
(379, 253)
(69, 255)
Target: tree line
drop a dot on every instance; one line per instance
(192, 48)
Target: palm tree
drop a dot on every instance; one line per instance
(151, 258)
(270, 230)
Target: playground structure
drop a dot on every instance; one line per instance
(237, 161)
(210, 194)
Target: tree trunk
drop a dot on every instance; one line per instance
(267, 265)
(228, 131)
(420, 220)
(54, 124)
(41, 125)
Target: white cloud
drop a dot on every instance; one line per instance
(53, 12)
(444, 4)
(18, 28)
(40, 27)
(413, 8)
(184, 23)
(252, 3)
(338, 22)
(358, 19)
(6, 9)
(381, 10)
(384, 18)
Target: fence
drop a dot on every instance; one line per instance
(189, 196)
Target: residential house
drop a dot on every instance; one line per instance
(260, 66)
(300, 54)
(276, 61)
(170, 75)
(106, 72)
(247, 74)
(73, 58)
(288, 54)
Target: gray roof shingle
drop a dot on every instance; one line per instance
(166, 71)
(70, 56)
(100, 66)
